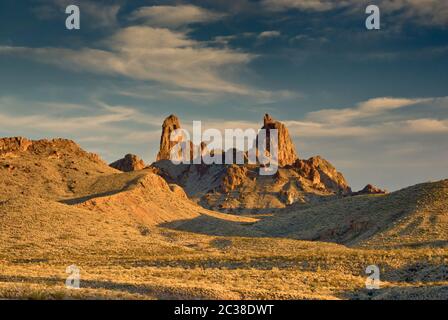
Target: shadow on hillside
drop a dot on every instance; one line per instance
(212, 226)
(399, 293)
(173, 293)
(424, 244)
(79, 200)
(414, 282)
(158, 292)
(417, 272)
(244, 211)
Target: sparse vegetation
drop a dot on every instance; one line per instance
(134, 237)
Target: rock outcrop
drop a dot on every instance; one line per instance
(170, 124)
(15, 144)
(187, 150)
(240, 187)
(234, 177)
(286, 151)
(370, 189)
(322, 174)
(129, 163)
(52, 149)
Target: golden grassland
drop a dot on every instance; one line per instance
(118, 258)
(133, 236)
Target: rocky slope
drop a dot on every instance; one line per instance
(52, 169)
(415, 216)
(59, 171)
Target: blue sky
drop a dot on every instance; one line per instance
(374, 103)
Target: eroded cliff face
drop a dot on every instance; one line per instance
(240, 188)
(170, 124)
(322, 174)
(287, 154)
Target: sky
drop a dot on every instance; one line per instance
(372, 102)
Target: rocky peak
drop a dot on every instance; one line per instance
(234, 177)
(129, 163)
(15, 144)
(267, 120)
(54, 148)
(286, 151)
(323, 173)
(170, 124)
(370, 189)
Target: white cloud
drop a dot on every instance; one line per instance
(111, 130)
(369, 119)
(150, 54)
(58, 117)
(147, 39)
(302, 129)
(269, 34)
(424, 12)
(427, 126)
(360, 122)
(365, 109)
(314, 5)
(174, 16)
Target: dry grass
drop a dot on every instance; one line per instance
(414, 217)
(133, 237)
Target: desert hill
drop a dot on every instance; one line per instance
(415, 216)
(60, 171)
(135, 235)
(52, 169)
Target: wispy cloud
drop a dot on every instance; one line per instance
(150, 54)
(372, 119)
(364, 109)
(174, 16)
(269, 34)
(427, 12)
(427, 126)
(315, 5)
(56, 118)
